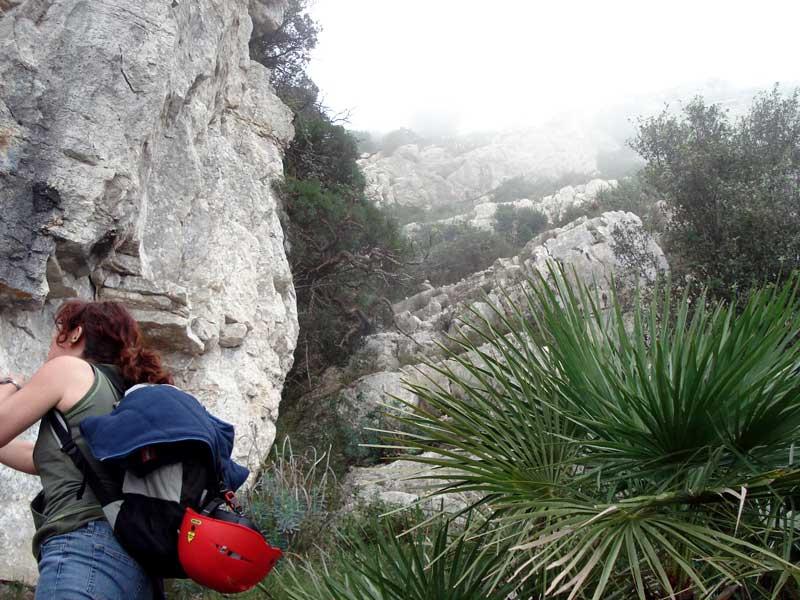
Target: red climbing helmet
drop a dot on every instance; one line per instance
(224, 551)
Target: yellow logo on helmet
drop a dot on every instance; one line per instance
(190, 537)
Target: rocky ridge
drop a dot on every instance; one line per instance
(138, 144)
(436, 176)
(554, 207)
(427, 321)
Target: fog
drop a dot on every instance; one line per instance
(464, 65)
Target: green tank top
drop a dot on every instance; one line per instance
(57, 509)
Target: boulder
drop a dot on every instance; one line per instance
(267, 15)
(400, 483)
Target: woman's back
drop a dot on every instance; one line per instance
(66, 502)
(78, 555)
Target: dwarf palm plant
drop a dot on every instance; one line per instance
(646, 454)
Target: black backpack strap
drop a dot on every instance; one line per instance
(60, 428)
(210, 507)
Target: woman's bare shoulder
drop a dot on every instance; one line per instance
(65, 370)
(67, 364)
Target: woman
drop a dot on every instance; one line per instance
(95, 354)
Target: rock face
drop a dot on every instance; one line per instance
(403, 483)
(267, 14)
(431, 177)
(138, 144)
(426, 321)
(6, 5)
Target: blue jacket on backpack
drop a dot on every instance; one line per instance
(156, 414)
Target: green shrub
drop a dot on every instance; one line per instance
(635, 195)
(335, 422)
(576, 211)
(290, 502)
(515, 188)
(732, 187)
(504, 219)
(519, 224)
(399, 137)
(521, 187)
(323, 152)
(530, 222)
(345, 256)
(464, 250)
(366, 141)
(635, 259)
(286, 52)
(15, 591)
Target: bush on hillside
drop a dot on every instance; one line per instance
(519, 225)
(345, 256)
(732, 188)
(399, 137)
(634, 194)
(325, 152)
(291, 502)
(522, 187)
(431, 562)
(515, 188)
(367, 144)
(286, 52)
(456, 251)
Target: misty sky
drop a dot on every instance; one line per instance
(490, 65)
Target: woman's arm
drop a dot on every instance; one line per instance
(6, 389)
(62, 377)
(18, 455)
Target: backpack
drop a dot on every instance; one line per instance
(177, 514)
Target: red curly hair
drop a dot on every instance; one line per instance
(112, 337)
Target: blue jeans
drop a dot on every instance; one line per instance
(89, 564)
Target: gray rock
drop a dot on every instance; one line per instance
(402, 483)
(63, 284)
(233, 335)
(267, 14)
(138, 145)
(7, 5)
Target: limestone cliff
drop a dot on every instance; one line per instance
(138, 144)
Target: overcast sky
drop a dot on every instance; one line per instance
(492, 65)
